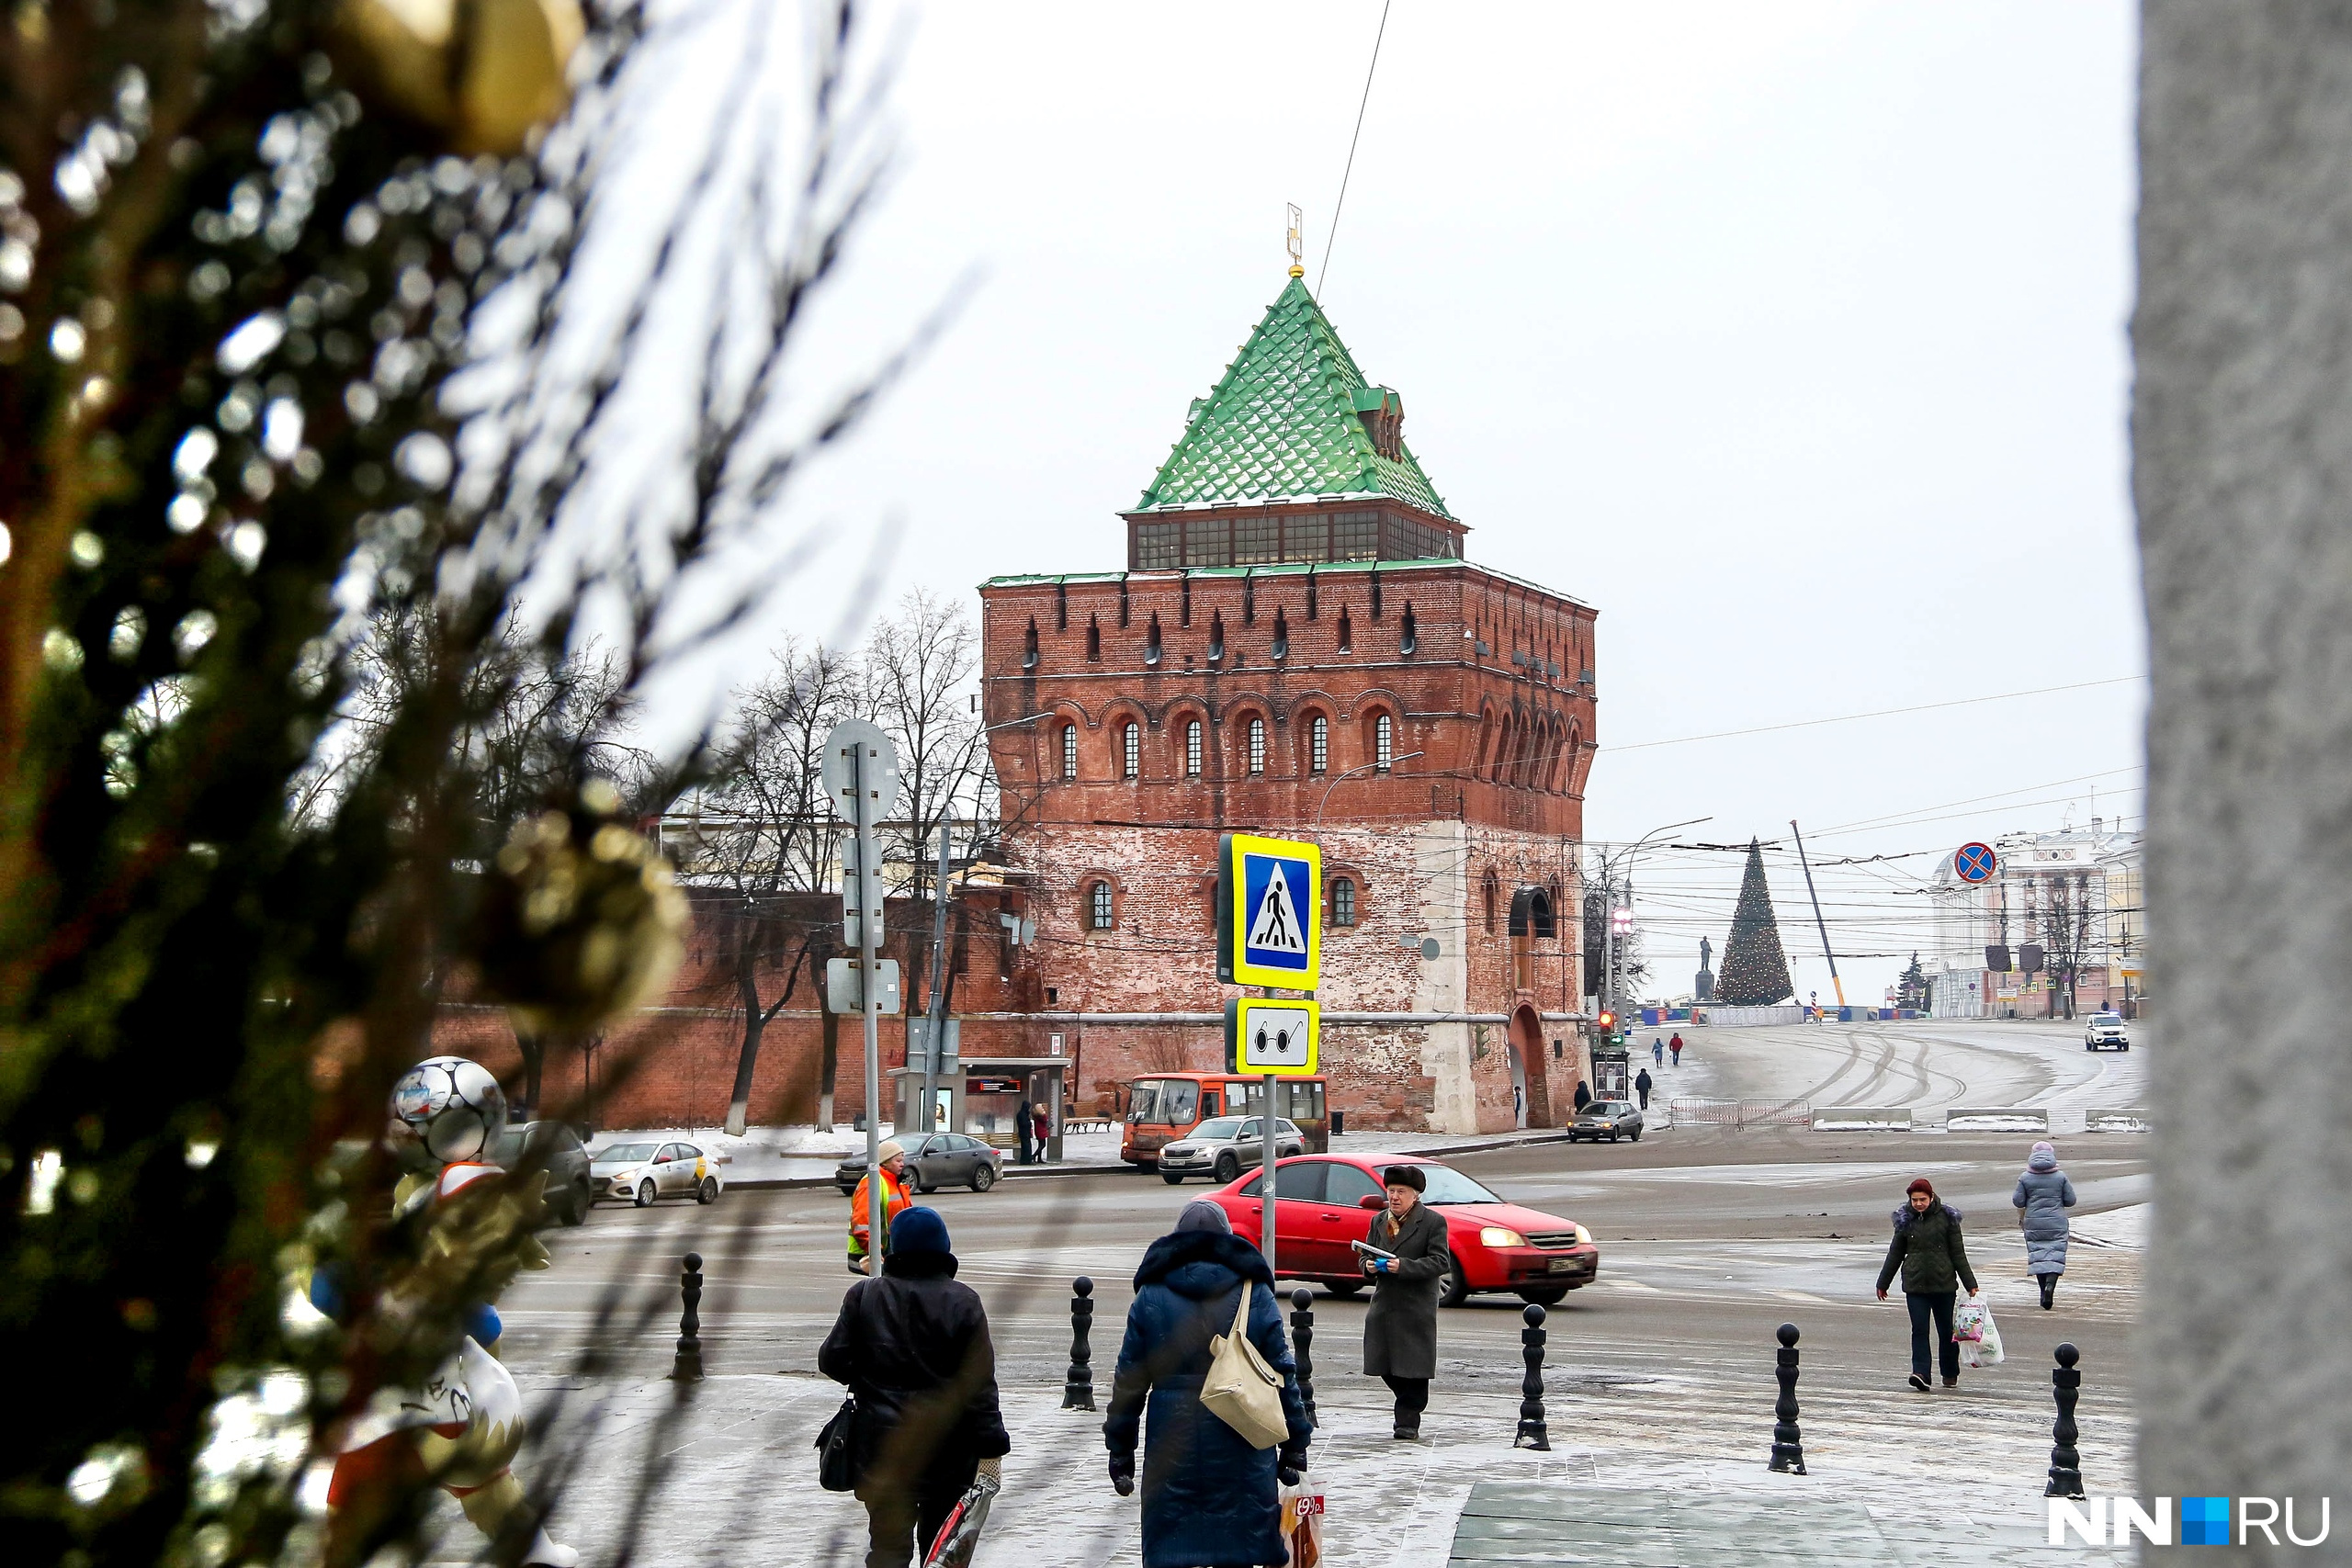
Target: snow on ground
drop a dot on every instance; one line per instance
(1929, 1066)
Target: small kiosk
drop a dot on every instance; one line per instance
(983, 1098)
(1612, 1076)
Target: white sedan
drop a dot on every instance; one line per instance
(645, 1171)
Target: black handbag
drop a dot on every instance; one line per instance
(836, 1449)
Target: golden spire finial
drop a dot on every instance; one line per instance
(1296, 242)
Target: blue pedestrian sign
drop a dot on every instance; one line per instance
(1974, 862)
(1270, 904)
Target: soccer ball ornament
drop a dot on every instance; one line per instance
(453, 1106)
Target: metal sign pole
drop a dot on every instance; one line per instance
(938, 1009)
(1266, 1181)
(870, 906)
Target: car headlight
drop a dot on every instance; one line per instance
(1500, 1235)
(1584, 1236)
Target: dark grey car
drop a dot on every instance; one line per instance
(1224, 1146)
(940, 1159)
(1610, 1119)
(554, 1147)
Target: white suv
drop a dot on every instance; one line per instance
(2106, 1029)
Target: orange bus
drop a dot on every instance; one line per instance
(1163, 1106)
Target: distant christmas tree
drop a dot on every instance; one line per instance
(1755, 972)
(1911, 990)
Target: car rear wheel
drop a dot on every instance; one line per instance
(926, 1187)
(983, 1177)
(1544, 1295)
(645, 1194)
(575, 1209)
(709, 1192)
(1636, 1134)
(1227, 1168)
(1172, 1180)
(1453, 1288)
(1343, 1288)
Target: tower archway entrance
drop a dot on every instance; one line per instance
(1529, 1068)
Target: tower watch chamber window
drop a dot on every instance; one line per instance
(1384, 742)
(1192, 748)
(1069, 750)
(1318, 744)
(1257, 746)
(1131, 750)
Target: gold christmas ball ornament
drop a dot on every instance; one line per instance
(580, 922)
(486, 72)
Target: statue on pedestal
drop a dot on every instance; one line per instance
(1702, 987)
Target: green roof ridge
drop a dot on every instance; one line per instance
(1282, 423)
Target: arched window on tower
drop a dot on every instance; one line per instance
(1099, 913)
(1257, 746)
(1093, 640)
(1282, 634)
(1029, 646)
(1384, 742)
(1131, 751)
(1318, 744)
(1069, 751)
(1192, 748)
(1493, 892)
(1216, 636)
(1347, 634)
(1151, 641)
(1410, 638)
(1343, 902)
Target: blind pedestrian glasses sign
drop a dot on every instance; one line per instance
(1282, 1038)
(1270, 899)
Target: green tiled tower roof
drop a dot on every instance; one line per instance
(1283, 424)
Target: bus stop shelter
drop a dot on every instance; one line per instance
(982, 1096)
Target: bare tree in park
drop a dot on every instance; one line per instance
(761, 830)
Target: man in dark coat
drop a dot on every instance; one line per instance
(1642, 1087)
(1209, 1497)
(1021, 1124)
(1928, 1249)
(913, 1347)
(1400, 1329)
(1584, 1096)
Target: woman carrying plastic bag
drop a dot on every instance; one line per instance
(1977, 1335)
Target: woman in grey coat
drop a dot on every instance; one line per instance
(2041, 1200)
(1400, 1329)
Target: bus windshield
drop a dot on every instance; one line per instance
(1171, 1102)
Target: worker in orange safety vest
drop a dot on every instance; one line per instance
(894, 1201)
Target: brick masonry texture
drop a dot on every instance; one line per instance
(1491, 686)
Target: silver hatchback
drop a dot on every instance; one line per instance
(1224, 1146)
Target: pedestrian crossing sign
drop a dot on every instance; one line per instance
(1270, 905)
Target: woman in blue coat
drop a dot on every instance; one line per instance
(1209, 1500)
(2041, 1200)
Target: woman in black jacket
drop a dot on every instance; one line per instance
(913, 1347)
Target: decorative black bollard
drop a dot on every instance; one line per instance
(1302, 1338)
(1788, 1445)
(1078, 1389)
(1532, 1430)
(2065, 1460)
(688, 1368)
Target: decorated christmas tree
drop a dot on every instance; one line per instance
(1755, 972)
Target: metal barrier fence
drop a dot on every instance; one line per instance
(1740, 1112)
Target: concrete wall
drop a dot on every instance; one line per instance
(2242, 472)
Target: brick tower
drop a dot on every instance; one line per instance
(1298, 648)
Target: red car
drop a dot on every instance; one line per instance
(1322, 1202)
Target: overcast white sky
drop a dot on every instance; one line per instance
(1791, 336)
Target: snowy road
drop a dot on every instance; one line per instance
(1930, 1066)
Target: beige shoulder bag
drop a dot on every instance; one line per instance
(1242, 1391)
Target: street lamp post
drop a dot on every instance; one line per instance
(1359, 768)
(1608, 892)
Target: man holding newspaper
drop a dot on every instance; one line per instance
(1405, 1259)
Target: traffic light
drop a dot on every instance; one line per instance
(1608, 1021)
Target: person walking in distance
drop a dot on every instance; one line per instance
(1043, 1126)
(1400, 1328)
(895, 1202)
(1209, 1497)
(1927, 1249)
(913, 1347)
(1642, 1082)
(1674, 1048)
(1022, 1123)
(2041, 1200)
(1657, 1050)
(1584, 1095)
